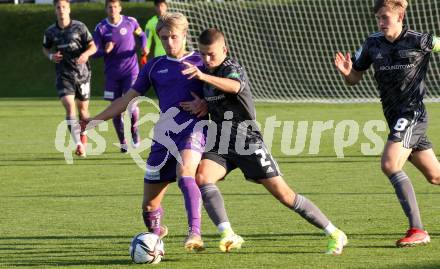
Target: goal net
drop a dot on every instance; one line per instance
(288, 47)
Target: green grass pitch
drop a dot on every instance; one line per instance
(84, 215)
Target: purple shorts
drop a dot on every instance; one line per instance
(116, 87)
(162, 165)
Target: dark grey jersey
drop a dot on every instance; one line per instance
(239, 109)
(399, 69)
(240, 105)
(71, 41)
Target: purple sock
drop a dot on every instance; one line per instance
(119, 127)
(193, 202)
(134, 128)
(152, 220)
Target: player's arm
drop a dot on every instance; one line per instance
(47, 45)
(139, 33)
(143, 39)
(115, 108)
(97, 39)
(140, 87)
(226, 85)
(47, 53)
(84, 57)
(197, 106)
(149, 29)
(345, 66)
(53, 57)
(87, 42)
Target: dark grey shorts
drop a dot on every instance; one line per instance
(255, 166)
(67, 87)
(410, 129)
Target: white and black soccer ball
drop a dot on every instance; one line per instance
(146, 248)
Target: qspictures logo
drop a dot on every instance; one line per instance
(306, 138)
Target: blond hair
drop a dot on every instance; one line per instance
(173, 21)
(398, 5)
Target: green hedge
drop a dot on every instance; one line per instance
(24, 71)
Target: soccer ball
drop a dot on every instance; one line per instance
(146, 248)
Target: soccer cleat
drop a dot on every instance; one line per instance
(413, 238)
(230, 241)
(336, 242)
(193, 242)
(124, 148)
(163, 231)
(136, 145)
(80, 150)
(83, 138)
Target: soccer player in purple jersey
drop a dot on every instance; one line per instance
(400, 60)
(228, 94)
(164, 74)
(115, 40)
(69, 44)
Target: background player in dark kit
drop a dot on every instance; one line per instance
(68, 43)
(400, 58)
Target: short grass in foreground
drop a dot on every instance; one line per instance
(84, 215)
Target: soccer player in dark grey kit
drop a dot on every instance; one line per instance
(400, 58)
(228, 94)
(69, 44)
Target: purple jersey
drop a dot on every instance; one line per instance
(172, 87)
(122, 60)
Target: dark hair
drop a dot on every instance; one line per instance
(55, 2)
(210, 36)
(157, 2)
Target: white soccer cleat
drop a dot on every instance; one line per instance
(81, 151)
(193, 242)
(336, 242)
(230, 241)
(163, 231)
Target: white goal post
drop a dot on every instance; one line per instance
(287, 47)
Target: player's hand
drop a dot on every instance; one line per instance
(83, 123)
(343, 63)
(193, 71)
(109, 47)
(88, 124)
(83, 58)
(145, 51)
(57, 57)
(197, 107)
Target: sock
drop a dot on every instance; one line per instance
(74, 129)
(152, 220)
(407, 198)
(309, 212)
(329, 229)
(119, 127)
(225, 227)
(193, 203)
(214, 204)
(134, 127)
